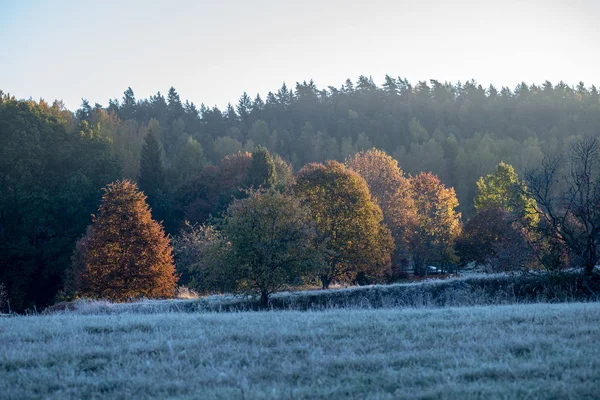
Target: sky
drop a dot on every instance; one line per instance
(213, 51)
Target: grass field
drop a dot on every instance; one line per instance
(514, 352)
(465, 291)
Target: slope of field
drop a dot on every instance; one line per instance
(468, 290)
(516, 351)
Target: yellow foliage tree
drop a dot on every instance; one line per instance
(438, 222)
(349, 222)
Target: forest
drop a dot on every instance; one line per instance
(309, 185)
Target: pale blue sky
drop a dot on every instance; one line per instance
(212, 51)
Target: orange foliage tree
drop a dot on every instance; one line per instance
(392, 191)
(125, 253)
(438, 222)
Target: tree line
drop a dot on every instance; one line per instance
(193, 164)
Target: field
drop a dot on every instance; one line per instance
(501, 351)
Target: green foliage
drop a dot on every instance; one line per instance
(349, 223)
(272, 243)
(504, 190)
(261, 172)
(284, 173)
(190, 161)
(152, 171)
(225, 146)
(54, 162)
(50, 175)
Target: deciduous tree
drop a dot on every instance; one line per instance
(391, 190)
(349, 222)
(504, 190)
(125, 253)
(438, 222)
(273, 242)
(571, 215)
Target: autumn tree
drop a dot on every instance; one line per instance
(348, 221)
(50, 175)
(272, 243)
(124, 253)
(233, 179)
(392, 191)
(234, 169)
(438, 222)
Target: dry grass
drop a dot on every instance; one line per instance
(488, 289)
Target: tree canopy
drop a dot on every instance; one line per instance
(272, 242)
(51, 172)
(392, 191)
(193, 161)
(348, 221)
(505, 191)
(438, 222)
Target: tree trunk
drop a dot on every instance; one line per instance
(590, 262)
(589, 266)
(264, 299)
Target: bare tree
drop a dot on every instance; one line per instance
(570, 209)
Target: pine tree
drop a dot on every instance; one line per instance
(129, 106)
(152, 174)
(125, 253)
(175, 108)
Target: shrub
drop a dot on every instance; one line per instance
(197, 250)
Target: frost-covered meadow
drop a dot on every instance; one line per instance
(512, 351)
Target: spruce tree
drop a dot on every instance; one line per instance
(152, 174)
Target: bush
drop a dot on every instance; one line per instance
(197, 250)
